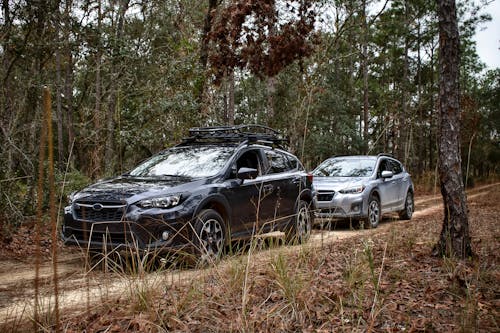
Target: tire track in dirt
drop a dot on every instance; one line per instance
(82, 291)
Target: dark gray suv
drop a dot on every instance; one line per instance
(220, 184)
(362, 187)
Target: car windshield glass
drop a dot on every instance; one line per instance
(362, 167)
(193, 162)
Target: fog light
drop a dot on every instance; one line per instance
(356, 207)
(165, 235)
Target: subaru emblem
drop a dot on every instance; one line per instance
(97, 207)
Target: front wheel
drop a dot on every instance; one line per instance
(209, 237)
(407, 212)
(374, 212)
(300, 230)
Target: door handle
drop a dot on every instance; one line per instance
(268, 188)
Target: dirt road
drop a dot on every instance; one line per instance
(80, 289)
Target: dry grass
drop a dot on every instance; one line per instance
(384, 280)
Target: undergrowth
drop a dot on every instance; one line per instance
(381, 280)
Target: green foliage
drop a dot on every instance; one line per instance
(144, 59)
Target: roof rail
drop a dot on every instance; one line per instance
(385, 154)
(240, 133)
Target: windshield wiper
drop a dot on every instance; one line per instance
(172, 176)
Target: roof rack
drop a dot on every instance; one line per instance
(239, 133)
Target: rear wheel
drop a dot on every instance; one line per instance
(374, 213)
(407, 213)
(300, 230)
(210, 237)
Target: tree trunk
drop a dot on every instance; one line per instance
(271, 80)
(60, 141)
(230, 107)
(404, 119)
(454, 239)
(97, 151)
(207, 27)
(114, 90)
(6, 112)
(68, 81)
(271, 91)
(364, 66)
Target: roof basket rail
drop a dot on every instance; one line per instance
(251, 133)
(386, 155)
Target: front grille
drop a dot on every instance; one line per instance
(99, 212)
(109, 226)
(333, 210)
(107, 238)
(325, 196)
(110, 233)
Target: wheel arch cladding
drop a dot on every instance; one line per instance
(217, 204)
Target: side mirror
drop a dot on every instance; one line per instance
(247, 173)
(387, 174)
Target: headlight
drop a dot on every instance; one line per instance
(160, 202)
(71, 197)
(352, 190)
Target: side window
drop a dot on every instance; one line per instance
(277, 162)
(249, 159)
(294, 163)
(383, 166)
(396, 167)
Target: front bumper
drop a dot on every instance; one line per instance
(338, 205)
(137, 230)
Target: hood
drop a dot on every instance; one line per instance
(131, 189)
(336, 183)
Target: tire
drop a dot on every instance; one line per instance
(407, 212)
(374, 213)
(300, 230)
(209, 237)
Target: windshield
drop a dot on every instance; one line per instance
(192, 162)
(338, 167)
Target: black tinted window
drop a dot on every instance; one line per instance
(249, 159)
(277, 162)
(390, 165)
(294, 162)
(396, 167)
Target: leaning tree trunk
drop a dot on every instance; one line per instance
(454, 239)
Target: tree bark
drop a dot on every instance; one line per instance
(60, 122)
(5, 113)
(454, 240)
(364, 66)
(207, 27)
(114, 90)
(95, 167)
(230, 107)
(69, 78)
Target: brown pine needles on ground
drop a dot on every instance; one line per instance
(383, 280)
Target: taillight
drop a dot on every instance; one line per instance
(310, 177)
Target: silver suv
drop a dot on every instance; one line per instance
(362, 187)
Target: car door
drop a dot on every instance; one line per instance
(402, 182)
(250, 196)
(387, 186)
(283, 182)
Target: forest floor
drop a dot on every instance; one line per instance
(380, 280)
